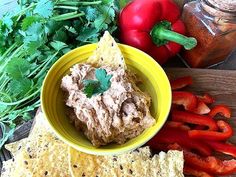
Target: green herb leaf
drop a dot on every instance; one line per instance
(102, 84)
(28, 21)
(18, 68)
(58, 45)
(103, 78)
(44, 8)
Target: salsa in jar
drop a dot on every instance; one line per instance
(213, 24)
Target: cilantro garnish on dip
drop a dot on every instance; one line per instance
(102, 97)
(102, 84)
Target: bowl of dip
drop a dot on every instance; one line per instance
(154, 82)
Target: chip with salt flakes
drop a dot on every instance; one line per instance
(137, 163)
(41, 154)
(107, 53)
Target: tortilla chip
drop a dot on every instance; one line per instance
(107, 53)
(7, 168)
(15, 147)
(137, 163)
(41, 154)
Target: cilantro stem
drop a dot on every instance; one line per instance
(82, 3)
(4, 83)
(67, 16)
(46, 65)
(10, 57)
(9, 50)
(20, 101)
(66, 7)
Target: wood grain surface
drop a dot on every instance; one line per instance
(221, 84)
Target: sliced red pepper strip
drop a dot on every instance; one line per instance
(195, 172)
(179, 125)
(206, 98)
(172, 135)
(187, 99)
(192, 118)
(222, 110)
(224, 148)
(181, 82)
(209, 164)
(226, 133)
(202, 108)
(200, 127)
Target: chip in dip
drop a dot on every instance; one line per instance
(103, 99)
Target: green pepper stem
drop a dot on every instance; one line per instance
(161, 34)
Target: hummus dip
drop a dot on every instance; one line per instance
(117, 115)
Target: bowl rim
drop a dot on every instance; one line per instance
(99, 151)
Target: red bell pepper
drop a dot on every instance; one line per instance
(224, 148)
(201, 108)
(209, 164)
(187, 99)
(172, 135)
(206, 98)
(195, 172)
(154, 26)
(226, 133)
(181, 82)
(192, 118)
(222, 110)
(179, 125)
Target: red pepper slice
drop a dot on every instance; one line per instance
(181, 82)
(187, 99)
(179, 125)
(172, 135)
(192, 118)
(195, 172)
(226, 133)
(202, 108)
(222, 110)
(209, 164)
(224, 148)
(206, 98)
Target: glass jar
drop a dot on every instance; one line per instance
(213, 24)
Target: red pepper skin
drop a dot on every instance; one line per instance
(201, 108)
(222, 110)
(187, 117)
(179, 125)
(195, 172)
(181, 82)
(206, 98)
(210, 164)
(226, 133)
(224, 148)
(172, 135)
(187, 99)
(137, 23)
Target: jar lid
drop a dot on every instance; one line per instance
(228, 5)
(220, 8)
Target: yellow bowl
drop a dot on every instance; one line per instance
(155, 82)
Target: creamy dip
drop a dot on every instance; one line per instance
(117, 115)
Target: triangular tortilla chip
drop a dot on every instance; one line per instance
(107, 53)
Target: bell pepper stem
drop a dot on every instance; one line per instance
(161, 34)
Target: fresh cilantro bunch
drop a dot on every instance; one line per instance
(32, 37)
(102, 84)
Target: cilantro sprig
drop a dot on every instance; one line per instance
(32, 37)
(94, 87)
